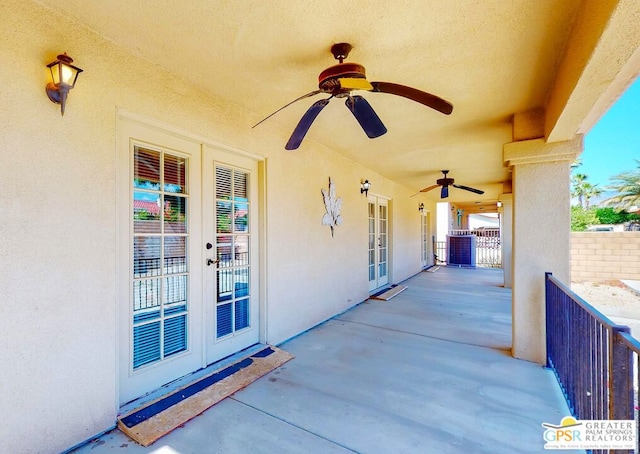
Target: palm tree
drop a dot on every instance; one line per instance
(578, 182)
(583, 190)
(627, 186)
(590, 191)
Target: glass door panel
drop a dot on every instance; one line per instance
(382, 244)
(231, 286)
(232, 246)
(160, 277)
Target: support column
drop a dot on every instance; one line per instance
(506, 238)
(541, 234)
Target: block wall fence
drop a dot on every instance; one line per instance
(599, 256)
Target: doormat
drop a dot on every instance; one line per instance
(433, 269)
(156, 419)
(388, 293)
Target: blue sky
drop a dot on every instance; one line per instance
(614, 142)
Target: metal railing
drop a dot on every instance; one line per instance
(488, 248)
(594, 360)
(440, 248)
(232, 274)
(459, 232)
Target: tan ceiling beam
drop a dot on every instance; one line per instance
(528, 125)
(601, 59)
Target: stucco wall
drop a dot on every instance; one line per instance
(58, 285)
(597, 256)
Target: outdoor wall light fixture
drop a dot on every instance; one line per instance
(421, 207)
(364, 187)
(63, 79)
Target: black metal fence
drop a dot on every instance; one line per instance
(595, 360)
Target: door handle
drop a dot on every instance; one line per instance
(211, 262)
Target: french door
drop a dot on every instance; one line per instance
(187, 256)
(425, 248)
(159, 281)
(378, 242)
(231, 272)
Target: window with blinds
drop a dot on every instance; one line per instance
(232, 250)
(160, 272)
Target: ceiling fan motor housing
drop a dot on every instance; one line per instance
(328, 79)
(445, 181)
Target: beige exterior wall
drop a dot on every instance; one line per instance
(597, 256)
(58, 197)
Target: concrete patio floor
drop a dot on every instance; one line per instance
(428, 371)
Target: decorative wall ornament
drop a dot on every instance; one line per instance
(333, 206)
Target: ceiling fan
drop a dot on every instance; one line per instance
(445, 182)
(339, 81)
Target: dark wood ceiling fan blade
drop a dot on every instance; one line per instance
(366, 116)
(429, 188)
(305, 123)
(444, 192)
(312, 93)
(414, 94)
(467, 188)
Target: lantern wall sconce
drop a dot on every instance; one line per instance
(421, 207)
(63, 79)
(364, 187)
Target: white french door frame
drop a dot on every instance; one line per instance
(134, 382)
(132, 130)
(379, 241)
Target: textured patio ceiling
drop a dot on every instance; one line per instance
(490, 59)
